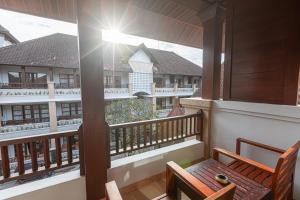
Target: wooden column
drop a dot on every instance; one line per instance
(23, 78)
(92, 97)
(212, 48)
(51, 74)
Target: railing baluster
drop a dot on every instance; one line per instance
(181, 128)
(124, 139)
(172, 129)
(151, 133)
(157, 132)
(58, 151)
(33, 155)
(69, 149)
(177, 129)
(168, 130)
(117, 140)
(195, 125)
(191, 125)
(186, 126)
(5, 161)
(20, 158)
(145, 135)
(138, 136)
(131, 137)
(161, 132)
(46, 153)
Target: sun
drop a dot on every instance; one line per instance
(112, 35)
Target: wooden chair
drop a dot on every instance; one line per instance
(280, 179)
(180, 180)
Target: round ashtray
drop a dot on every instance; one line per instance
(222, 179)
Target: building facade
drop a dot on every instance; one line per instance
(40, 82)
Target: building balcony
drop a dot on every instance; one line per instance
(176, 90)
(162, 139)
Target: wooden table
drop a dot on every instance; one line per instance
(246, 188)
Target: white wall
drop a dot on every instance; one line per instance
(1, 40)
(136, 168)
(274, 125)
(61, 187)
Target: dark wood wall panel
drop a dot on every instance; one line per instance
(262, 52)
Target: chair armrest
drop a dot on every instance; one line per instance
(192, 182)
(225, 193)
(112, 192)
(256, 144)
(217, 151)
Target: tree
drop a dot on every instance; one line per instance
(129, 110)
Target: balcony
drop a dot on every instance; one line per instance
(50, 152)
(256, 106)
(174, 90)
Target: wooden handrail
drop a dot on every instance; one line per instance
(128, 137)
(260, 145)
(36, 145)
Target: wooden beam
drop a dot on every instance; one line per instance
(212, 48)
(92, 97)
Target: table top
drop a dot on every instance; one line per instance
(246, 188)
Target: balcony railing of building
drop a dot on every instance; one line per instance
(24, 121)
(23, 85)
(116, 86)
(66, 85)
(69, 117)
(46, 152)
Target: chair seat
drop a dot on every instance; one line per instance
(252, 173)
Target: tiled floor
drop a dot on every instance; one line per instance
(148, 191)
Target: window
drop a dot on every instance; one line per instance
(67, 80)
(189, 80)
(37, 113)
(17, 112)
(71, 109)
(159, 82)
(112, 81)
(14, 77)
(31, 77)
(161, 103)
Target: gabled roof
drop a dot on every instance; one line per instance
(60, 50)
(8, 35)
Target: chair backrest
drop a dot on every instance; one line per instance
(283, 179)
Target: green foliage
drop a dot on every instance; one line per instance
(129, 110)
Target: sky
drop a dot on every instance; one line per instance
(26, 27)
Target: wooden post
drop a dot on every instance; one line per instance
(92, 93)
(23, 74)
(212, 48)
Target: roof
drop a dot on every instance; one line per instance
(177, 109)
(154, 19)
(60, 50)
(8, 35)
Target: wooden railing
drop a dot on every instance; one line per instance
(23, 85)
(133, 136)
(45, 153)
(37, 155)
